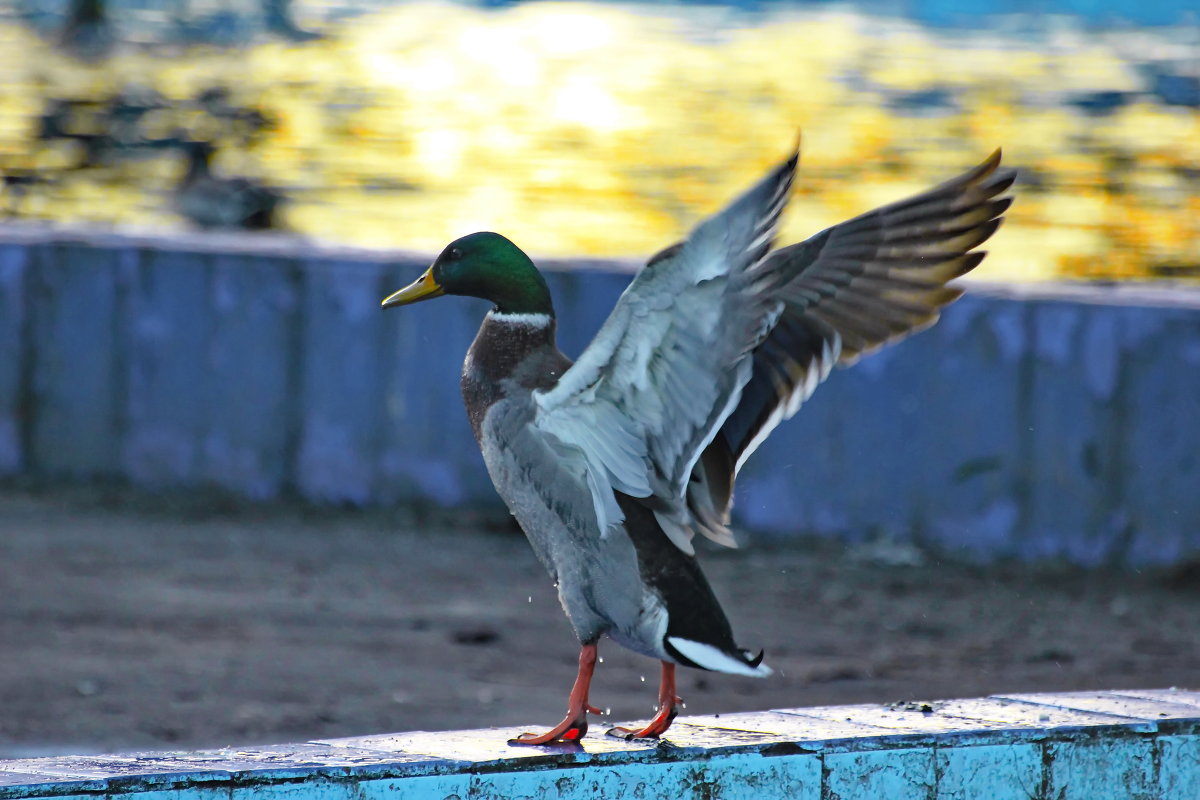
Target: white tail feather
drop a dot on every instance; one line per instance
(709, 657)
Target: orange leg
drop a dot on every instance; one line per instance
(666, 710)
(574, 725)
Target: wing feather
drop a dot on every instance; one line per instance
(669, 364)
(718, 340)
(860, 285)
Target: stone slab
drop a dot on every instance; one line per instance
(1039, 715)
(1110, 703)
(1059, 746)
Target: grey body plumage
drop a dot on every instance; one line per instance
(606, 583)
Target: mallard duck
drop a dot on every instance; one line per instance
(278, 17)
(214, 202)
(87, 34)
(612, 464)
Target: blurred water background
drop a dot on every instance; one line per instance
(603, 129)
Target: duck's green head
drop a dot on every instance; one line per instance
(482, 265)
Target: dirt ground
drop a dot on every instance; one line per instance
(130, 622)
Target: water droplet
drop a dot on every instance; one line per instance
(643, 677)
(607, 711)
(530, 600)
(600, 659)
(683, 705)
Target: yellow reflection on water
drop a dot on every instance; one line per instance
(600, 130)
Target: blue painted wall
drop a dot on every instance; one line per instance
(1061, 424)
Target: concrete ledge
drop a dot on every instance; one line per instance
(1087, 745)
(1032, 422)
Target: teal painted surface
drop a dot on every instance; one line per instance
(1021, 426)
(1179, 766)
(442, 787)
(894, 774)
(316, 789)
(196, 792)
(751, 777)
(1102, 769)
(996, 772)
(1136, 745)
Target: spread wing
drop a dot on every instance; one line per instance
(668, 366)
(858, 286)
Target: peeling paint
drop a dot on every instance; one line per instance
(1104, 768)
(1179, 767)
(894, 774)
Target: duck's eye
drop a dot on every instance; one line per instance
(455, 254)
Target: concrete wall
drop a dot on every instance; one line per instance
(1030, 423)
(1132, 745)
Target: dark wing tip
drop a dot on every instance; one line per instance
(1000, 205)
(986, 167)
(969, 262)
(976, 176)
(1001, 181)
(788, 166)
(985, 231)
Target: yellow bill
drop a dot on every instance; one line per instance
(423, 288)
